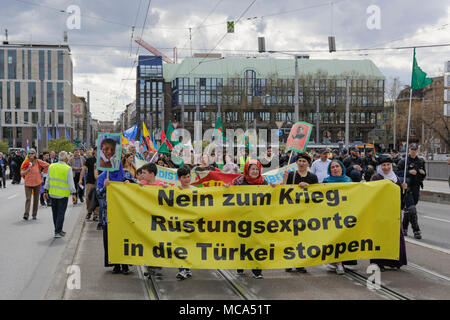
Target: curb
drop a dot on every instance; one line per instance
(434, 196)
(57, 288)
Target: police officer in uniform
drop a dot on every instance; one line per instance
(415, 174)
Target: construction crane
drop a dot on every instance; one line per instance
(153, 50)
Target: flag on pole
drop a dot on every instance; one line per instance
(28, 146)
(218, 130)
(165, 146)
(125, 142)
(39, 133)
(171, 135)
(299, 137)
(130, 134)
(67, 133)
(142, 144)
(147, 138)
(419, 78)
(49, 134)
(57, 132)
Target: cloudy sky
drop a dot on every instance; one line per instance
(104, 52)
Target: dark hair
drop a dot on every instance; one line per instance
(150, 168)
(183, 171)
(138, 171)
(108, 140)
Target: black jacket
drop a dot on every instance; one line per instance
(413, 164)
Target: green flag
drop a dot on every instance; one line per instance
(247, 143)
(171, 135)
(419, 78)
(218, 130)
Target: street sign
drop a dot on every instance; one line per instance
(279, 124)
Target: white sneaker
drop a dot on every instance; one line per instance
(188, 273)
(183, 274)
(340, 269)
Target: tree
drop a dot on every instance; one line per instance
(60, 145)
(4, 147)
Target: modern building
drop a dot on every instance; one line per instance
(249, 92)
(35, 93)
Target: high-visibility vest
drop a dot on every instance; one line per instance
(242, 163)
(59, 186)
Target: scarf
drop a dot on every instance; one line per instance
(336, 179)
(250, 180)
(391, 175)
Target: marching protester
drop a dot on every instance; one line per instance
(45, 157)
(184, 176)
(320, 166)
(385, 171)
(343, 155)
(77, 162)
(369, 164)
(53, 158)
(89, 168)
(415, 174)
(266, 160)
(395, 159)
(59, 185)
(303, 178)
(31, 171)
(103, 181)
(15, 161)
(353, 165)
(147, 176)
(336, 174)
(252, 176)
(230, 166)
(3, 165)
(128, 165)
(205, 164)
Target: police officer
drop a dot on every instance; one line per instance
(59, 186)
(415, 174)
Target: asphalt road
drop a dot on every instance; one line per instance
(434, 222)
(29, 254)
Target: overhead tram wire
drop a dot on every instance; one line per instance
(137, 51)
(204, 20)
(239, 19)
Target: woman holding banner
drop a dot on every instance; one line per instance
(303, 178)
(384, 171)
(336, 174)
(102, 182)
(252, 176)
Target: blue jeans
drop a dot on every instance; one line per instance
(59, 207)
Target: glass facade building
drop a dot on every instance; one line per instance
(34, 77)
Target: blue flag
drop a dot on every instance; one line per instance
(67, 133)
(57, 132)
(39, 133)
(49, 134)
(28, 146)
(131, 133)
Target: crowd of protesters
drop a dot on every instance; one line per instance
(85, 182)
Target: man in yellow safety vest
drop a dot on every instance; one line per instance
(243, 159)
(59, 185)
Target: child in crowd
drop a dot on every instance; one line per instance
(184, 176)
(147, 176)
(107, 154)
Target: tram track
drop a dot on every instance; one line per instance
(239, 289)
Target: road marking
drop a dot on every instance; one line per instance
(430, 246)
(443, 220)
(13, 196)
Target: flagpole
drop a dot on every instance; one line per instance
(407, 135)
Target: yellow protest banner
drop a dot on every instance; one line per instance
(248, 227)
